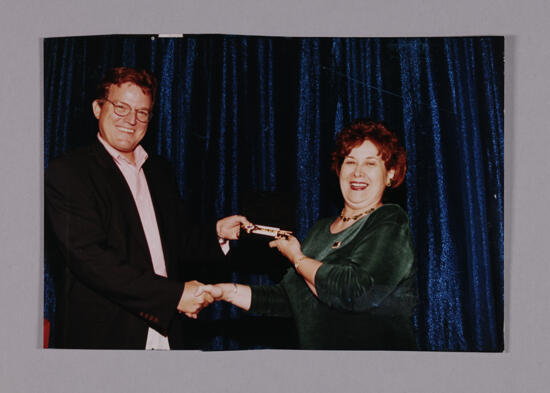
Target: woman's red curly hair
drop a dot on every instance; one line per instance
(391, 151)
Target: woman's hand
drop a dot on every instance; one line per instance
(237, 294)
(197, 296)
(290, 247)
(304, 266)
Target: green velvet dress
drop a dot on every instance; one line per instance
(366, 286)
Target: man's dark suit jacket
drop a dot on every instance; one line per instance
(106, 291)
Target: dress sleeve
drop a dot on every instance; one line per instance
(270, 300)
(77, 226)
(381, 258)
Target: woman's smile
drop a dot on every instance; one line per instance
(358, 186)
(363, 178)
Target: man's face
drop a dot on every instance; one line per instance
(123, 133)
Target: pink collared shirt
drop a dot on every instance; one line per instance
(133, 173)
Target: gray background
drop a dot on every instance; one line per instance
(524, 367)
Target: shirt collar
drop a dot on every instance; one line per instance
(140, 155)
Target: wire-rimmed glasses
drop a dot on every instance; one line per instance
(122, 109)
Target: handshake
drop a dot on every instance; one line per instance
(197, 296)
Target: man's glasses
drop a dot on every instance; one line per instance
(123, 109)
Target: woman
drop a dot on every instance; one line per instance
(352, 285)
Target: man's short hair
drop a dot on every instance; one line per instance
(119, 75)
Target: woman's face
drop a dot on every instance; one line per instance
(363, 177)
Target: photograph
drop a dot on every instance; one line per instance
(222, 192)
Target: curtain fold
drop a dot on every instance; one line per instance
(308, 137)
(238, 115)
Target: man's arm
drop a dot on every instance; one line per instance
(79, 217)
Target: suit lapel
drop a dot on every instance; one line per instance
(121, 191)
(159, 196)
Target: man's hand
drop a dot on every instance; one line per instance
(215, 290)
(237, 294)
(194, 299)
(230, 227)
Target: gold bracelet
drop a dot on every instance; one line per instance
(297, 264)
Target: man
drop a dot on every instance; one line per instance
(116, 223)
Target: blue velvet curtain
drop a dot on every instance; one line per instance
(242, 117)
